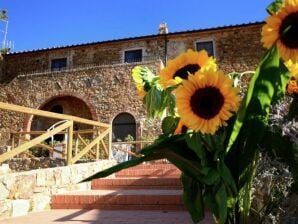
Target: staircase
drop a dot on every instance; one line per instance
(144, 187)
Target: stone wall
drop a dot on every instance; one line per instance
(105, 90)
(28, 191)
(26, 164)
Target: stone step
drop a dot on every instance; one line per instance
(136, 183)
(153, 170)
(120, 200)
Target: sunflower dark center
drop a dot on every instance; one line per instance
(207, 102)
(289, 30)
(183, 72)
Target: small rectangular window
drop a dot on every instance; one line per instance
(58, 64)
(206, 45)
(133, 56)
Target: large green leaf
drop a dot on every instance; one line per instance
(210, 176)
(124, 165)
(147, 75)
(227, 177)
(221, 200)
(172, 148)
(158, 100)
(168, 101)
(266, 87)
(194, 142)
(192, 197)
(153, 101)
(169, 125)
(260, 93)
(210, 201)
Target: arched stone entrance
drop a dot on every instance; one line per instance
(64, 105)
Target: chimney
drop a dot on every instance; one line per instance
(163, 28)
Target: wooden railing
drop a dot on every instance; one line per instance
(75, 147)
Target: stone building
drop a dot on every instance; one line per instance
(94, 81)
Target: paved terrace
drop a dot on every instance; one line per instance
(77, 216)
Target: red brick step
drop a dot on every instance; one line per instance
(144, 187)
(153, 170)
(120, 199)
(136, 183)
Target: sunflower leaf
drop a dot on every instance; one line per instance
(194, 142)
(221, 200)
(118, 167)
(146, 74)
(263, 87)
(192, 197)
(153, 101)
(169, 124)
(274, 7)
(173, 148)
(210, 201)
(210, 177)
(227, 176)
(168, 101)
(282, 80)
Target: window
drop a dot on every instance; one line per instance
(58, 64)
(206, 45)
(133, 56)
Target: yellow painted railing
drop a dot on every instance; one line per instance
(76, 146)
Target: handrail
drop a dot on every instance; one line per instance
(33, 142)
(43, 113)
(100, 131)
(83, 131)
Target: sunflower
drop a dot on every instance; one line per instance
(206, 100)
(186, 63)
(282, 28)
(136, 75)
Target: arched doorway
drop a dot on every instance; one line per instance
(124, 127)
(64, 105)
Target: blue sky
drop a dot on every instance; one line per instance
(35, 24)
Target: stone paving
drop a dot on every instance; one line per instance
(78, 216)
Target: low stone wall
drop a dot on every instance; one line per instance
(28, 191)
(26, 164)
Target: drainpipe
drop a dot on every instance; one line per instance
(163, 30)
(166, 49)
